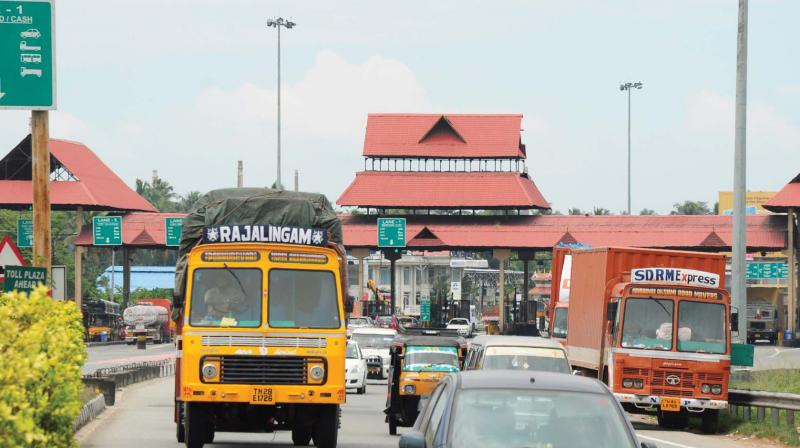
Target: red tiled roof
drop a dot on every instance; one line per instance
(444, 136)
(138, 230)
(788, 197)
(764, 232)
(96, 187)
(483, 190)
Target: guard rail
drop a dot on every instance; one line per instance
(742, 401)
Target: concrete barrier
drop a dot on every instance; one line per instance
(90, 410)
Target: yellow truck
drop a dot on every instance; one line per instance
(261, 318)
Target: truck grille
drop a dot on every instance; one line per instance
(264, 369)
(637, 372)
(660, 379)
(710, 377)
(688, 393)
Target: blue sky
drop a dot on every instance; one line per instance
(188, 87)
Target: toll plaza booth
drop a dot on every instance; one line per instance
(461, 185)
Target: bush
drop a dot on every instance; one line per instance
(41, 354)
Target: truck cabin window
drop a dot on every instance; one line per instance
(647, 324)
(226, 297)
(701, 327)
(560, 324)
(302, 299)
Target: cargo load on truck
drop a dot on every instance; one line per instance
(259, 303)
(652, 324)
(148, 320)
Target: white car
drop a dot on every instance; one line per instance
(356, 369)
(357, 322)
(462, 325)
(374, 344)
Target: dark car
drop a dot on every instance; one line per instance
(497, 408)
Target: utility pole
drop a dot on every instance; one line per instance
(296, 181)
(738, 262)
(240, 175)
(628, 86)
(40, 136)
(288, 24)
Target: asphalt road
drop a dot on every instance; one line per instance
(143, 418)
(115, 355)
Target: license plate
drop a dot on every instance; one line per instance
(670, 404)
(262, 395)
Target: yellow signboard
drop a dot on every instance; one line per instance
(754, 201)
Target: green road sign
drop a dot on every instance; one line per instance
(174, 227)
(27, 55)
(391, 232)
(757, 270)
(24, 232)
(425, 309)
(107, 230)
(24, 278)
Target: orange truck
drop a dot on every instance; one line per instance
(652, 324)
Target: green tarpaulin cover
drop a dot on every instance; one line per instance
(234, 206)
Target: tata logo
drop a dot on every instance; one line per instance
(673, 380)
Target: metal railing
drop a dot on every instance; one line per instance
(742, 402)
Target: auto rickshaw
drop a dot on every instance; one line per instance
(418, 360)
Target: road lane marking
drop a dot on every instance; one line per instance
(664, 441)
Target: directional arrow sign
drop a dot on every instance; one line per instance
(27, 55)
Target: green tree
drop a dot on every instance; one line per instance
(601, 211)
(690, 208)
(188, 200)
(158, 192)
(647, 211)
(574, 211)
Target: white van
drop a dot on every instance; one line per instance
(374, 344)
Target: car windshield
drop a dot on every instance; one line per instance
(352, 351)
(494, 418)
(459, 322)
(648, 324)
(225, 297)
(701, 327)
(385, 319)
(430, 359)
(526, 358)
(302, 299)
(378, 341)
(358, 322)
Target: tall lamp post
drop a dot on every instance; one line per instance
(628, 86)
(288, 24)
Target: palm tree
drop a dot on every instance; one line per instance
(691, 208)
(188, 200)
(601, 211)
(574, 211)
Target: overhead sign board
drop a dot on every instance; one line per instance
(27, 55)
(677, 276)
(425, 309)
(107, 230)
(174, 227)
(767, 270)
(24, 278)
(391, 232)
(24, 232)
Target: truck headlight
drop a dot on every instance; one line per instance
(627, 383)
(716, 389)
(317, 373)
(210, 369)
(706, 389)
(409, 389)
(638, 383)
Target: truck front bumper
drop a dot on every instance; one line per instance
(281, 394)
(653, 401)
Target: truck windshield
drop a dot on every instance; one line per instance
(226, 297)
(647, 324)
(441, 359)
(302, 299)
(701, 327)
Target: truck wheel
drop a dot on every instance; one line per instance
(180, 429)
(196, 423)
(392, 426)
(301, 436)
(325, 431)
(710, 421)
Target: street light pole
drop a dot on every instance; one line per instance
(627, 87)
(288, 24)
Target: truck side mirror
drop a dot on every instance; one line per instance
(611, 311)
(348, 304)
(734, 321)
